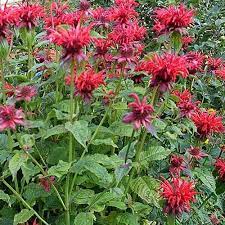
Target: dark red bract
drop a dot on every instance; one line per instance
(177, 165)
(220, 168)
(25, 93)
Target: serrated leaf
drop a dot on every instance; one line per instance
(147, 189)
(16, 162)
(4, 197)
(84, 219)
(23, 216)
(154, 153)
(107, 141)
(4, 155)
(60, 169)
(122, 171)
(29, 170)
(131, 153)
(122, 130)
(83, 196)
(206, 177)
(60, 129)
(80, 131)
(127, 219)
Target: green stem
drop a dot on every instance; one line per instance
(24, 202)
(46, 175)
(67, 195)
(205, 201)
(86, 149)
(2, 80)
(128, 147)
(171, 220)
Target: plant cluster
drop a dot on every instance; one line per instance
(98, 128)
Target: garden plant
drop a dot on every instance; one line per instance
(112, 113)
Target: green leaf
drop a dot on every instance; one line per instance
(80, 131)
(84, 219)
(107, 141)
(94, 168)
(206, 177)
(131, 153)
(29, 170)
(122, 171)
(23, 216)
(83, 196)
(147, 189)
(117, 204)
(60, 129)
(4, 197)
(122, 130)
(16, 162)
(141, 209)
(60, 169)
(127, 219)
(4, 155)
(154, 153)
(176, 41)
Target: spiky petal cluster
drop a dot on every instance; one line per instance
(185, 104)
(101, 17)
(72, 41)
(25, 93)
(178, 194)
(172, 18)
(197, 153)
(165, 69)
(214, 63)
(220, 168)
(87, 82)
(220, 73)
(207, 123)
(177, 165)
(28, 15)
(140, 114)
(195, 61)
(10, 117)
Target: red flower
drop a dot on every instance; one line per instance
(140, 114)
(127, 34)
(195, 61)
(130, 3)
(101, 17)
(220, 168)
(214, 63)
(214, 219)
(84, 5)
(46, 183)
(102, 46)
(72, 41)
(10, 117)
(178, 195)
(28, 15)
(87, 82)
(185, 104)
(165, 69)
(197, 153)
(9, 89)
(207, 124)
(108, 97)
(186, 41)
(172, 18)
(123, 13)
(220, 73)
(25, 93)
(177, 165)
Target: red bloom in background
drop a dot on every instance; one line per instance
(186, 40)
(84, 5)
(33, 223)
(165, 69)
(9, 89)
(178, 195)
(46, 183)
(220, 73)
(87, 82)
(172, 18)
(207, 124)
(102, 46)
(185, 104)
(10, 117)
(214, 63)
(28, 15)
(195, 61)
(25, 93)
(177, 165)
(101, 17)
(197, 153)
(140, 114)
(123, 13)
(130, 3)
(127, 34)
(220, 168)
(72, 41)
